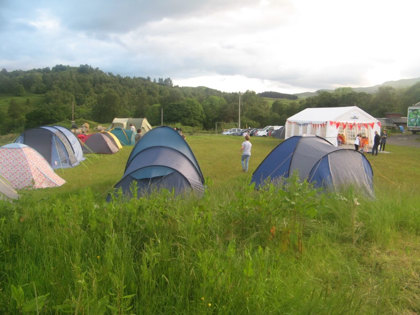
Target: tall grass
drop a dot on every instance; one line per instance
(234, 251)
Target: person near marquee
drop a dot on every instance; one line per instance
(376, 141)
(383, 140)
(357, 142)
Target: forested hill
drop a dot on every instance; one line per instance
(46, 96)
(272, 94)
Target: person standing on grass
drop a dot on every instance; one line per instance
(383, 141)
(376, 141)
(138, 135)
(246, 153)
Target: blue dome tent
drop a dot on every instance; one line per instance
(56, 144)
(74, 141)
(317, 161)
(162, 160)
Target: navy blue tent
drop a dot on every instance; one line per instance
(162, 160)
(317, 161)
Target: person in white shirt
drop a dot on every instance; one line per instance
(357, 142)
(246, 153)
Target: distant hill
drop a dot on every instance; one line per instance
(272, 94)
(399, 84)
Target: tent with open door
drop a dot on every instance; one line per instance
(162, 159)
(328, 122)
(139, 123)
(74, 142)
(55, 144)
(317, 161)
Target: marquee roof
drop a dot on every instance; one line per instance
(324, 114)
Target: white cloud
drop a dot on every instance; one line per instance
(45, 22)
(231, 45)
(236, 83)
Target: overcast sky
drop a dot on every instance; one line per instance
(287, 46)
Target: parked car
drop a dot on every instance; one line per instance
(245, 131)
(253, 131)
(266, 131)
(238, 132)
(231, 131)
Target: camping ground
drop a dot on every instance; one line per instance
(236, 250)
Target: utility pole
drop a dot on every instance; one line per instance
(239, 112)
(73, 122)
(161, 115)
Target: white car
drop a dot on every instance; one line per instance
(266, 131)
(231, 131)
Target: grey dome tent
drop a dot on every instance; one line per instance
(162, 160)
(278, 133)
(317, 161)
(99, 143)
(56, 144)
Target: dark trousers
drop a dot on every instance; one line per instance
(382, 146)
(375, 149)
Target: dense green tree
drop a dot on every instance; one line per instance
(409, 98)
(153, 114)
(327, 99)
(281, 110)
(3, 125)
(107, 107)
(188, 112)
(15, 116)
(229, 113)
(42, 115)
(19, 90)
(385, 100)
(212, 107)
(255, 109)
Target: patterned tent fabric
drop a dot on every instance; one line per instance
(24, 167)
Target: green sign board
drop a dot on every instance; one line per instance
(413, 117)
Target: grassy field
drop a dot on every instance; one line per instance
(234, 251)
(34, 99)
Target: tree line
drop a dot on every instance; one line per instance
(46, 96)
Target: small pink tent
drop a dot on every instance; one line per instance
(23, 167)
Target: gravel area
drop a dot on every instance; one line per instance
(405, 139)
